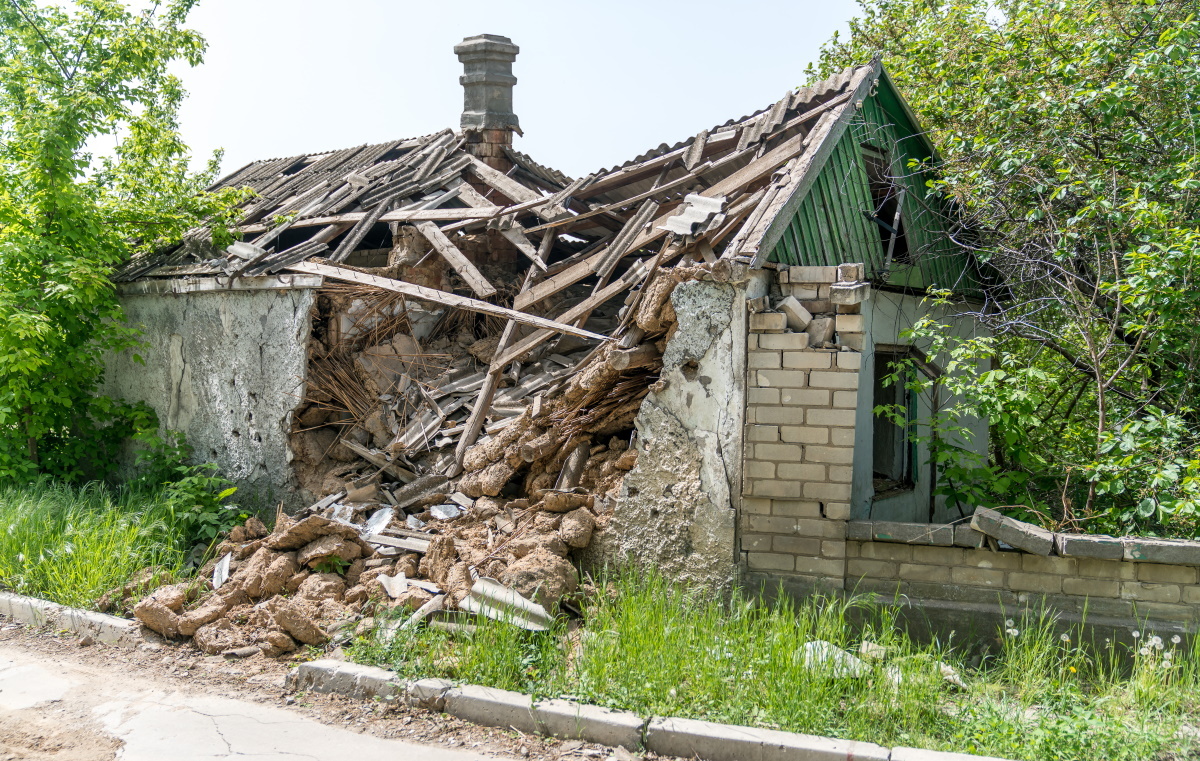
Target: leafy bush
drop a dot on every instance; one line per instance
(1067, 139)
(68, 218)
(193, 494)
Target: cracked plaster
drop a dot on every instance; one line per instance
(226, 369)
(676, 512)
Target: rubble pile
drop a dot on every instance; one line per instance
(530, 493)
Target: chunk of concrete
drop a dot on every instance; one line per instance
(832, 660)
(862, 531)
(575, 721)
(768, 322)
(820, 330)
(797, 316)
(849, 293)
(965, 536)
(939, 535)
(491, 707)
(1085, 546)
(809, 274)
(1023, 536)
(100, 626)
(690, 738)
(344, 678)
(1165, 551)
(428, 693)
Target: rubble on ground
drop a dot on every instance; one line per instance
(404, 522)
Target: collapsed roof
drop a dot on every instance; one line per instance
(719, 190)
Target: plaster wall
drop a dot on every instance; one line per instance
(677, 506)
(226, 368)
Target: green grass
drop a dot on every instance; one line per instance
(72, 544)
(651, 648)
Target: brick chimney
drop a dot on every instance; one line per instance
(488, 121)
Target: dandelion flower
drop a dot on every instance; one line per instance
(1144, 651)
(1166, 664)
(1008, 623)
(1012, 632)
(1176, 639)
(1136, 633)
(1168, 655)
(1065, 637)
(1071, 669)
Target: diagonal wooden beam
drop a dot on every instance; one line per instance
(422, 293)
(461, 264)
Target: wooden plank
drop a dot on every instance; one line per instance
(692, 176)
(378, 460)
(633, 173)
(461, 264)
(516, 236)
(483, 401)
(535, 339)
(472, 198)
(537, 203)
(193, 284)
(399, 215)
(503, 183)
(752, 172)
(441, 297)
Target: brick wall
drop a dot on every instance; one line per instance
(803, 362)
(801, 401)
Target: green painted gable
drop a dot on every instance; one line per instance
(833, 225)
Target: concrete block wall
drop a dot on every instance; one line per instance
(918, 565)
(801, 401)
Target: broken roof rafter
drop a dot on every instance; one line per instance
(435, 183)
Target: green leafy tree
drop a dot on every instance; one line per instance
(1068, 134)
(70, 79)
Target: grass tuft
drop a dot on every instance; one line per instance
(653, 648)
(71, 544)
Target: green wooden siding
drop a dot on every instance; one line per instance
(829, 227)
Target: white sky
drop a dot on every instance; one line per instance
(598, 83)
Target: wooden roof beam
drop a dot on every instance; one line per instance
(421, 293)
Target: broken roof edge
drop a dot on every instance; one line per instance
(867, 76)
(823, 86)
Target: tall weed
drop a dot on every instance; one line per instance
(71, 544)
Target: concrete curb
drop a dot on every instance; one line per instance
(688, 738)
(103, 627)
(342, 678)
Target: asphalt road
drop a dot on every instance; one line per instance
(53, 711)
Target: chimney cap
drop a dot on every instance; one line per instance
(486, 43)
(487, 82)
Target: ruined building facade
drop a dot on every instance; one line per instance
(689, 346)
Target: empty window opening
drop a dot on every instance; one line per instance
(894, 453)
(887, 195)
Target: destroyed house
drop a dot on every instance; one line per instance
(673, 361)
